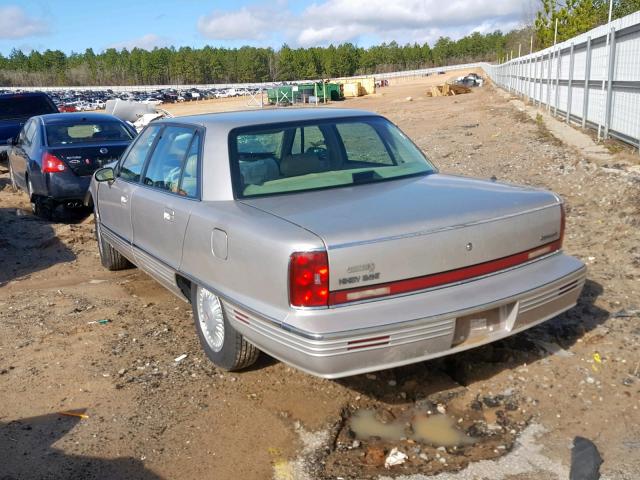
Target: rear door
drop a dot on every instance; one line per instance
(114, 198)
(19, 153)
(162, 204)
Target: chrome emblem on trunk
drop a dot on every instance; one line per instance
(469, 246)
(104, 151)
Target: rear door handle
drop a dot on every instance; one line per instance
(124, 199)
(168, 214)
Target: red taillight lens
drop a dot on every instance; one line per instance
(309, 279)
(563, 223)
(52, 164)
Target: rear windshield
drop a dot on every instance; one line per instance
(270, 160)
(23, 107)
(83, 132)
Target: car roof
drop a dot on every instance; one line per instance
(22, 94)
(245, 118)
(52, 118)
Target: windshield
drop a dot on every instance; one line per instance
(83, 132)
(23, 107)
(296, 157)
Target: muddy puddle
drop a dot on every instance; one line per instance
(437, 430)
(430, 435)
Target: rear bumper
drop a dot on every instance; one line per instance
(422, 326)
(67, 186)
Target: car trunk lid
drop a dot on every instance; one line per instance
(86, 159)
(411, 228)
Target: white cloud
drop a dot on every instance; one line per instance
(244, 24)
(15, 23)
(338, 21)
(402, 20)
(146, 42)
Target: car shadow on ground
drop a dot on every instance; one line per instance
(27, 452)
(477, 364)
(27, 245)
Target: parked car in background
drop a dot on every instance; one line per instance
(16, 109)
(54, 156)
(325, 238)
(470, 80)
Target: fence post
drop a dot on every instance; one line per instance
(587, 75)
(571, 59)
(557, 99)
(541, 78)
(548, 80)
(530, 75)
(612, 64)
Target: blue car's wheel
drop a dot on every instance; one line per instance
(39, 206)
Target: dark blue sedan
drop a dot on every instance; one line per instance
(54, 156)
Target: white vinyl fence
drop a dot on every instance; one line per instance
(592, 79)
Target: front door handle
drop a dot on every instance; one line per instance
(124, 199)
(168, 214)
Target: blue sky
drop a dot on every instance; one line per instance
(73, 25)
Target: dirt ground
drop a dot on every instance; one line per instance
(144, 415)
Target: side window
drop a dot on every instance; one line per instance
(32, 129)
(26, 134)
(363, 144)
(131, 166)
(189, 181)
(168, 157)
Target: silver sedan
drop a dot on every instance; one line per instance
(327, 239)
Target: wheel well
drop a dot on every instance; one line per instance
(184, 285)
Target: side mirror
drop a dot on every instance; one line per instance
(105, 174)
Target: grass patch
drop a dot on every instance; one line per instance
(543, 134)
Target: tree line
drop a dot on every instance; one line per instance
(575, 17)
(185, 65)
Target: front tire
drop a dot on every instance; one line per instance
(222, 343)
(110, 258)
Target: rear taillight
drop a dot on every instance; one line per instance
(52, 164)
(309, 279)
(563, 223)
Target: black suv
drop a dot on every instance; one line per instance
(16, 109)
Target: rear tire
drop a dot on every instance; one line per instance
(222, 343)
(39, 206)
(110, 258)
